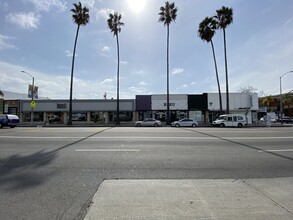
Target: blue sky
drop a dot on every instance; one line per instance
(37, 36)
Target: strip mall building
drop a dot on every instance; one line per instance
(201, 107)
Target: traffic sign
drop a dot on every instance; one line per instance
(33, 104)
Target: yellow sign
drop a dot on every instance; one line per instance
(33, 104)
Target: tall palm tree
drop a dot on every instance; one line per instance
(224, 18)
(114, 25)
(167, 15)
(206, 32)
(80, 17)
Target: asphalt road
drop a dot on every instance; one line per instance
(53, 173)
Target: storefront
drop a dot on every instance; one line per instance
(239, 103)
(181, 106)
(84, 111)
(177, 105)
(203, 108)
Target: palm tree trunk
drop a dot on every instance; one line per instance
(71, 79)
(217, 75)
(118, 57)
(226, 69)
(168, 98)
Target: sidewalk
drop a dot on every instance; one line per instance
(269, 199)
(131, 124)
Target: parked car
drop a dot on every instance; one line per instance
(8, 120)
(148, 122)
(231, 120)
(264, 119)
(286, 120)
(185, 122)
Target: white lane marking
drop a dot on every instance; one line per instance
(107, 150)
(150, 138)
(280, 150)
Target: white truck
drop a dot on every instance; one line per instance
(230, 120)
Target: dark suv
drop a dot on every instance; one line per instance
(9, 120)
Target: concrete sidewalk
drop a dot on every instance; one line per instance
(194, 199)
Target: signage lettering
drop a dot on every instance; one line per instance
(170, 104)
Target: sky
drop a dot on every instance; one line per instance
(37, 36)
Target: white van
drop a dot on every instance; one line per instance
(230, 120)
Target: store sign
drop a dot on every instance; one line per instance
(170, 104)
(177, 102)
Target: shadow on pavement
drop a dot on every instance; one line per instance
(22, 172)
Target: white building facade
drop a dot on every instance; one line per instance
(242, 103)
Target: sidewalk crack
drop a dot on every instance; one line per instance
(267, 196)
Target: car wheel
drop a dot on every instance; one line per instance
(194, 125)
(177, 125)
(222, 125)
(240, 125)
(1, 126)
(12, 126)
(138, 125)
(156, 125)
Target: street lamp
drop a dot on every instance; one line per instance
(281, 98)
(32, 94)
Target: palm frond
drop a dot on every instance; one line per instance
(168, 13)
(114, 23)
(224, 17)
(80, 14)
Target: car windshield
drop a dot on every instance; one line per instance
(221, 118)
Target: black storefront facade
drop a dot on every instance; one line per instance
(181, 106)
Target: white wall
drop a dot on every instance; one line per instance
(237, 101)
(177, 102)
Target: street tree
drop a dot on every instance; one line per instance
(268, 101)
(115, 24)
(80, 17)
(206, 31)
(167, 15)
(224, 17)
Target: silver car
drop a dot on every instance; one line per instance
(185, 122)
(148, 122)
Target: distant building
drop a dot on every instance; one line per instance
(272, 103)
(202, 107)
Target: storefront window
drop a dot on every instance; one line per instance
(196, 115)
(38, 117)
(80, 116)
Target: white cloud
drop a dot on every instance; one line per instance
(106, 49)
(4, 6)
(104, 13)
(69, 54)
(137, 90)
(47, 5)
(107, 81)
(143, 83)
(88, 3)
(176, 71)
(3, 44)
(55, 87)
(184, 86)
(123, 62)
(139, 72)
(24, 20)
(288, 22)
